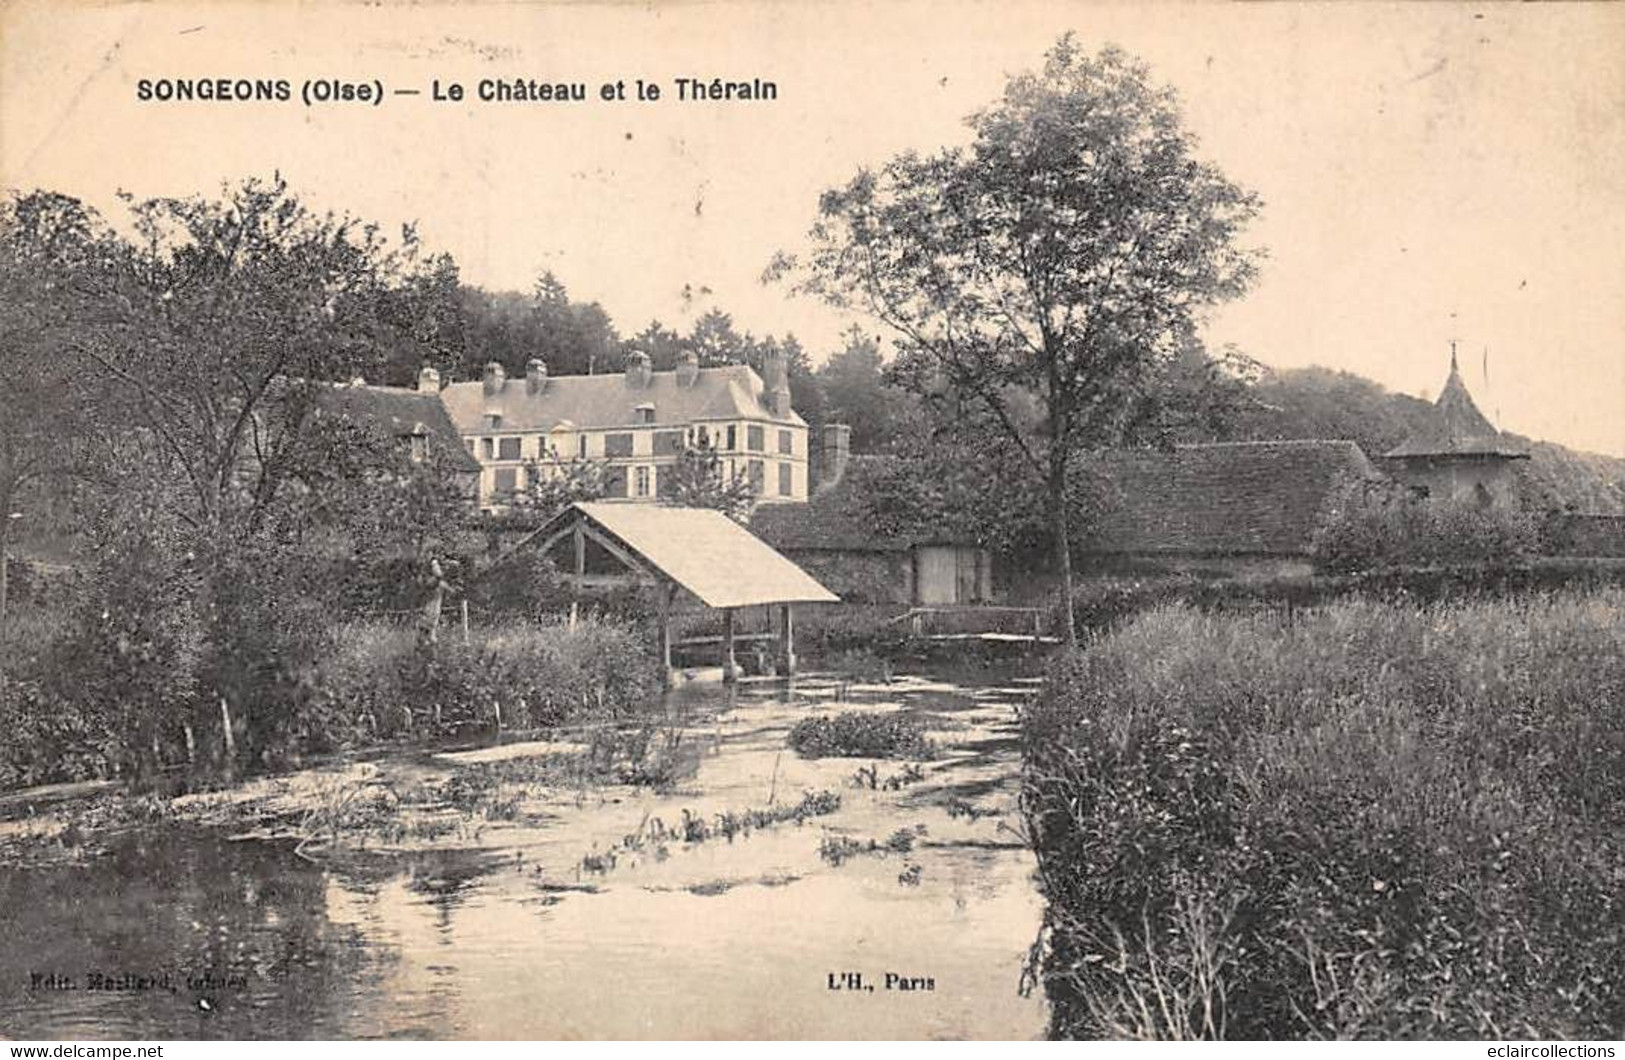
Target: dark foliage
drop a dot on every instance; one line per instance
(861, 735)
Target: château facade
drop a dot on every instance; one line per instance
(634, 423)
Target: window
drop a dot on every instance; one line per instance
(617, 445)
(508, 448)
(641, 481)
(470, 444)
(581, 447)
(733, 438)
(787, 444)
(646, 413)
(493, 420)
(758, 477)
(507, 479)
(702, 435)
(755, 438)
(668, 443)
(786, 480)
(488, 448)
(615, 482)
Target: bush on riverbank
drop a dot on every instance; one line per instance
(880, 734)
(536, 675)
(1377, 820)
(367, 681)
(1104, 603)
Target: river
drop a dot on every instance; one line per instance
(197, 933)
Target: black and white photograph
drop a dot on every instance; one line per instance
(768, 521)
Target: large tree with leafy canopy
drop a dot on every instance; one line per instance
(206, 344)
(1047, 271)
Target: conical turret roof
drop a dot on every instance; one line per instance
(1456, 427)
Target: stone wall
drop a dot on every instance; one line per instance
(860, 577)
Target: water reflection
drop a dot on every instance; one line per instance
(720, 939)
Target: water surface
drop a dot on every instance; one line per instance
(203, 935)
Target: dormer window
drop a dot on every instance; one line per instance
(645, 413)
(493, 420)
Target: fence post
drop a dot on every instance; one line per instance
(465, 622)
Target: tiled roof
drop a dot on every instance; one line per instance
(1456, 428)
(832, 519)
(596, 401)
(400, 413)
(704, 551)
(1226, 498)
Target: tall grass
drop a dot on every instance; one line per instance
(521, 674)
(1377, 820)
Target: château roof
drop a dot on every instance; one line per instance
(591, 402)
(1456, 427)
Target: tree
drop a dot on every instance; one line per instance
(45, 240)
(856, 392)
(714, 340)
(553, 484)
(697, 481)
(663, 345)
(212, 339)
(1046, 271)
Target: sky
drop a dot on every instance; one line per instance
(1429, 172)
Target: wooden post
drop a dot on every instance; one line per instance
(465, 622)
(579, 541)
(225, 721)
(730, 668)
(787, 641)
(665, 634)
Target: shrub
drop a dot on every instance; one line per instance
(1378, 820)
(861, 735)
(1375, 526)
(538, 675)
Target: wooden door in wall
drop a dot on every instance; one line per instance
(936, 571)
(965, 581)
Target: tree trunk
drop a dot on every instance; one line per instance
(1060, 520)
(5, 540)
(5, 543)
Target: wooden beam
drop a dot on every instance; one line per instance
(614, 548)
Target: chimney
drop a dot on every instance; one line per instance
(834, 453)
(637, 370)
(428, 380)
(688, 369)
(776, 368)
(535, 376)
(496, 378)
